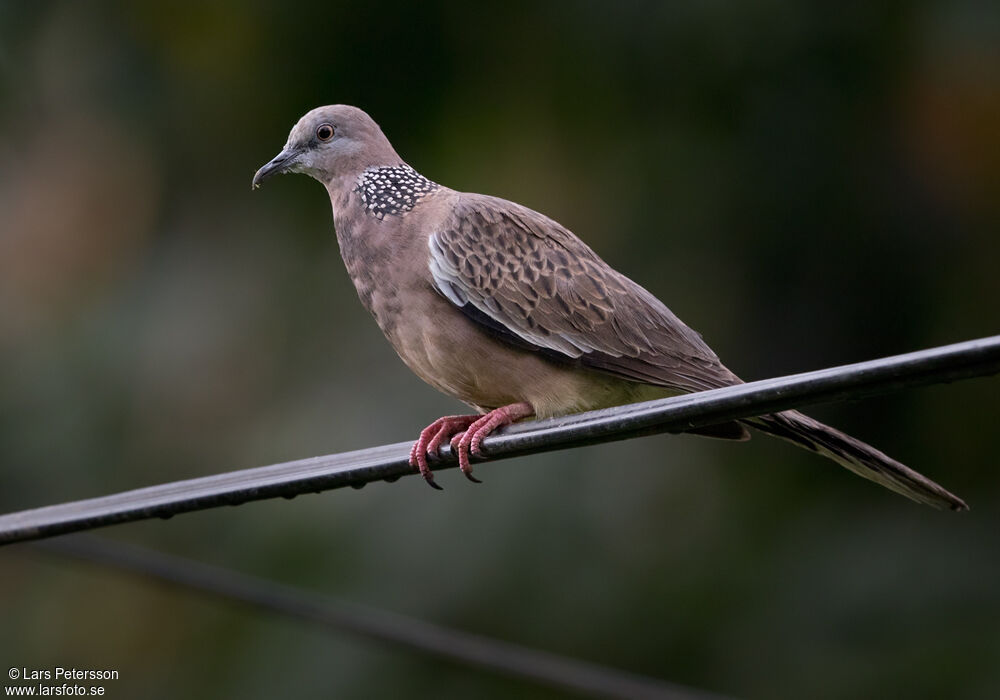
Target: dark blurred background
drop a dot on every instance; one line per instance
(805, 186)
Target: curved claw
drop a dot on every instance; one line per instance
(467, 435)
(430, 440)
(469, 442)
(460, 449)
(464, 449)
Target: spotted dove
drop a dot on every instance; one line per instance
(508, 311)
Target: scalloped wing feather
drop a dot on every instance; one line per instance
(532, 282)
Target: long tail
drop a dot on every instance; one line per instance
(864, 460)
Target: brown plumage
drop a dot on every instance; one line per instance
(508, 311)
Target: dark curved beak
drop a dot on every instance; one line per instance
(279, 164)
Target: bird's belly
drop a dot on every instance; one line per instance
(457, 357)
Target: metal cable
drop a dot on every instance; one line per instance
(389, 462)
(470, 650)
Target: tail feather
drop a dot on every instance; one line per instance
(864, 460)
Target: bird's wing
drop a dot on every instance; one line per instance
(533, 283)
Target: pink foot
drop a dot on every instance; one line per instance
(469, 442)
(466, 433)
(431, 439)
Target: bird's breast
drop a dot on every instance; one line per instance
(387, 259)
(386, 256)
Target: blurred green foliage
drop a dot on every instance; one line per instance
(806, 185)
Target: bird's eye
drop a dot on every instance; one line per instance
(324, 132)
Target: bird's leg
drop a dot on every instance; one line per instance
(431, 438)
(469, 442)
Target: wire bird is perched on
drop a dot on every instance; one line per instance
(506, 310)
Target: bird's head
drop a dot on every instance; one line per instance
(329, 142)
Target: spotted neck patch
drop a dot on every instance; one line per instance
(392, 190)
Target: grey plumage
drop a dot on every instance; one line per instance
(508, 311)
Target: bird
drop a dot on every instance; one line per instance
(505, 309)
